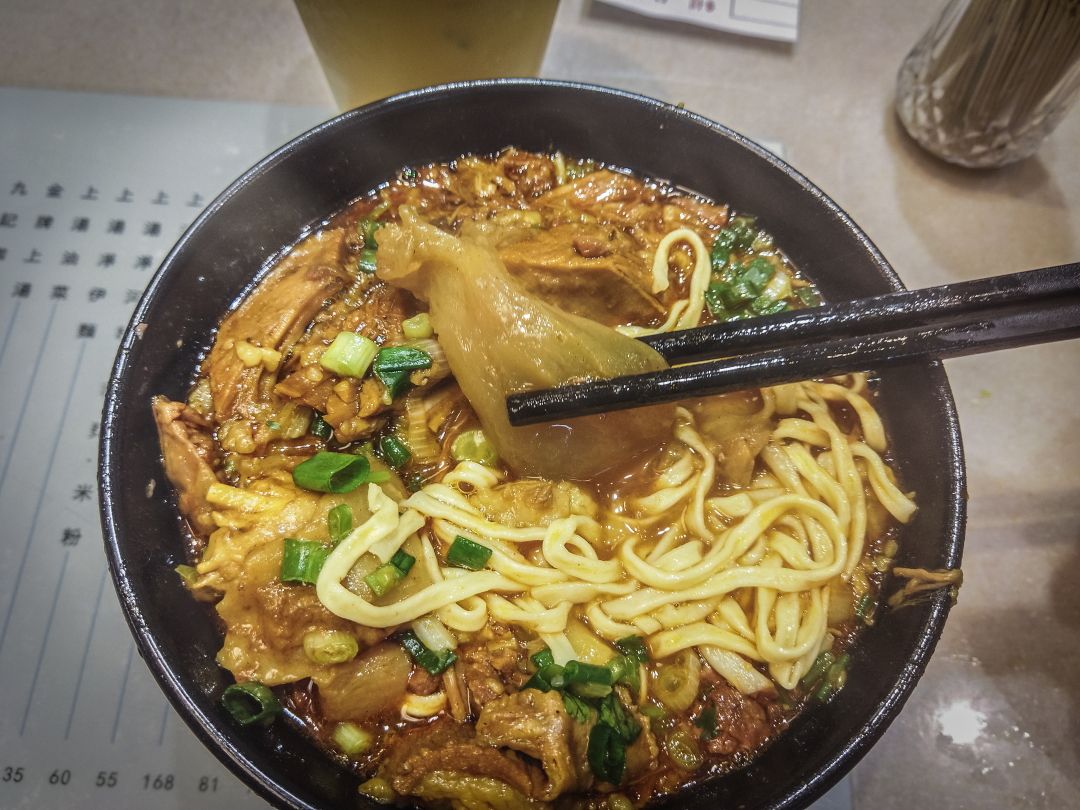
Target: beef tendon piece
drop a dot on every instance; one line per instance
(187, 448)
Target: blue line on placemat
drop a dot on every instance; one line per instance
(85, 653)
(44, 643)
(123, 689)
(48, 472)
(164, 723)
(10, 327)
(29, 388)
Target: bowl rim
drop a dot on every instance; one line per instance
(110, 462)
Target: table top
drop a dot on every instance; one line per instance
(993, 722)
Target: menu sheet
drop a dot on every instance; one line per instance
(768, 19)
(94, 190)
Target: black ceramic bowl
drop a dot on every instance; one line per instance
(314, 176)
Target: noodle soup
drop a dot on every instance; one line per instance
(594, 613)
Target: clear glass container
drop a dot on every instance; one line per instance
(991, 79)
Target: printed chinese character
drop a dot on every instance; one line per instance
(59, 292)
(71, 537)
(83, 492)
(95, 294)
(93, 430)
(115, 226)
(196, 201)
(144, 262)
(34, 257)
(8, 219)
(69, 257)
(87, 330)
(22, 290)
(19, 189)
(55, 191)
(80, 224)
(152, 229)
(106, 260)
(43, 222)
(131, 296)
(3, 253)
(161, 199)
(91, 194)
(119, 333)
(125, 196)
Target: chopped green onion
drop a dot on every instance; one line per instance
(187, 574)
(335, 472)
(418, 326)
(349, 355)
(809, 296)
(339, 522)
(763, 241)
(817, 669)
(725, 239)
(379, 210)
(824, 691)
(386, 576)
(547, 678)
(744, 230)
(433, 662)
(577, 708)
(633, 647)
(466, 553)
(836, 677)
(352, 739)
(403, 561)
(653, 712)
(580, 672)
(864, 608)
(273, 424)
(366, 229)
(367, 263)
(249, 703)
(473, 445)
(719, 256)
(625, 670)
(320, 428)
(763, 305)
(707, 722)
(607, 754)
(757, 274)
(330, 646)
(737, 294)
(542, 659)
(394, 364)
(378, 790)
(682, 749)
(302, 560)
(590, 690)
(394, 450)
(714, 300)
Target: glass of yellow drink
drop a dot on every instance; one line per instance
(370, 49)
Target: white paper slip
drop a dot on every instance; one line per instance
(769, 19)
(94, 190)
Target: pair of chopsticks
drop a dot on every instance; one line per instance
(1000, 312)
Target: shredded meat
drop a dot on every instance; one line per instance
(422, 682)
(444, 745)
(491, 664)
(188, 452)
(742, 722)
(273, 316)
(536, 724)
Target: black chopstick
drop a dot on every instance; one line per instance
(1038, 306)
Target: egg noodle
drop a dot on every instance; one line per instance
(741, 576)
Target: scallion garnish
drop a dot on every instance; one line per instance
(580, 672)
(625, 670)
(394, 364)
(350, 355)
(394, 450)
(366, 229)
(250, 703)
(330, 646)
(433, 662)
(335, 472)
(474, 445)
(633, 647)
(466, 553)
(339, 522)
(352, 739)
(302, 560)
(417, 327)
(320, 428)
(707, 722)
(386, 576)
(366, 262)
(542, 659)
